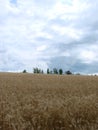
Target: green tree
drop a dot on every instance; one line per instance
(48, 71)
(60, 71)
(55, 71)
(37, 71)
(68, 72)
(24, 71)
(34, 70)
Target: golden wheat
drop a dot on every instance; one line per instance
(48, 102)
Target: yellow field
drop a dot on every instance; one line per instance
(48, 102)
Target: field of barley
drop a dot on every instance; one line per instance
(48, 102)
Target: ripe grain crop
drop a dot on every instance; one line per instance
(48, 102)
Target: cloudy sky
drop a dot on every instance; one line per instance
(49, 34)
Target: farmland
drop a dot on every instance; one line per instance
(48, 102)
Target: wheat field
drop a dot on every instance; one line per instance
(48, 102)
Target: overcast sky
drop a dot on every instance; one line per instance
(49, 34)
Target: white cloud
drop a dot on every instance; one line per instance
(88, 56)
(35, 31)
(41, 48)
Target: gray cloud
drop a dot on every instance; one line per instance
(76, 66)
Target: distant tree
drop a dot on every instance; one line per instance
(24, 71)
(48, 71)
(60, 71)
(68, 72)
(55, 71)
(34, 70)
(37, 71)
(78, 74)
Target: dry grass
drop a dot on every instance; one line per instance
(48, 102)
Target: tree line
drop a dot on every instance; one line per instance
(49, 71)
